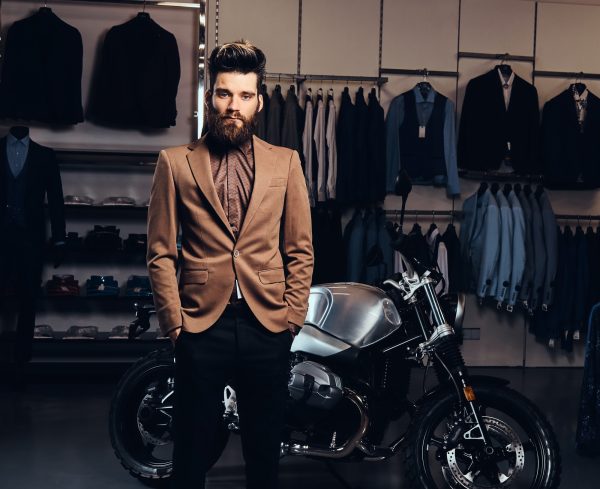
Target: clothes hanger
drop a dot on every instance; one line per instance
(433, 225)
(505, 69)
(19, 131)
(578, 87)
(45, 9)
(494, 188)
(517, 188)
(507, 189)
(482, 188)
(527, 190)
(539, 191)
(424, 86)
(143, 14)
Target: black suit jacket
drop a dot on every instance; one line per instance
(137, 76)
(486, 125)
(41, 76)
(571, 159)
(42, 178)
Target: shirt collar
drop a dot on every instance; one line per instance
(508, 82)
(430, 96)
(583, 96)
(11, 140)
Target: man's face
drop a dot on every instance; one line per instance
(234, 103)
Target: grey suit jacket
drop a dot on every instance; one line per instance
(501, 279)
(527, 280)
(539, 247)
(518, 248)
(479, 240)
(551, 247)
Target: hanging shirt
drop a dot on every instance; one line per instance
(439, 256)
(307, 149)
(506, 87)
(16, 152)
(331, 150)
(320, 145)
(424, 108)
(580, 106)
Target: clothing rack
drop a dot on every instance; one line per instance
(567, 74)
(301, 78)
(395, 213)
(498, 177)
(421, 72)
(141, 3)
(578, 217)
(502, 57)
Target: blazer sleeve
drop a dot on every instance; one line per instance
(56, 203)
(163, 224)
(551, 243)
(504, 267)
(393, 121)
(518, 252)
(297, 244)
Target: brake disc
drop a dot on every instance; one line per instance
(154, 417)
(500, 431)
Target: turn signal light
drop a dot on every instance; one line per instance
(469, 394)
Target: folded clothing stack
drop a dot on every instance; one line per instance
(138, 286)
(62, 285)
(43, 331)
(120, 332)
(103, 238)
(102, 285)
(78, 200)
(118, 201)
(74, 242)
(136, 243)
(81, 333)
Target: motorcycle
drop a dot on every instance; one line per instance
(350, 368)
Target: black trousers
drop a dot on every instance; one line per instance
(21, 260)
(236, 348)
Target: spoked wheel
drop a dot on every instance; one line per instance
(141, 417)
(445, 449)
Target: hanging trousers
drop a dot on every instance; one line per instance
(20, 278)
(239, 351)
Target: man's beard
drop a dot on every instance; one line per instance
(227, 133)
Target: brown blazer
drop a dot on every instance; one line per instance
(272, 258)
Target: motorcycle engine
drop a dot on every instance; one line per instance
(315, 385)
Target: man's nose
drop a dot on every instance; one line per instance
(234, 104)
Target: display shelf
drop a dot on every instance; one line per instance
(110, 210)
(98, 256)
(128, 160)
(83, 302)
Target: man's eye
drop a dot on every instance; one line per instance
(223, 95)
(246, 97)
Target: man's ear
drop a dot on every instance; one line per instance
(260, 102)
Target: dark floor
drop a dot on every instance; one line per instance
(54, 435)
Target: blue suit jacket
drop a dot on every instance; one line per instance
(501, 279)
(518, 248)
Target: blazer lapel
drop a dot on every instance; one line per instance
(263, 164)
(199, 161)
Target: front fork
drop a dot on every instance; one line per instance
(443, 346)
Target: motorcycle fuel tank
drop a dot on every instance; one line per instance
(357, 314)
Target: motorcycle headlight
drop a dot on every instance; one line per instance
(453, 306)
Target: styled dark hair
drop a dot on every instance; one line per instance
(238, 56)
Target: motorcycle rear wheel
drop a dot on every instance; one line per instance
(139, 434)
(526, 453)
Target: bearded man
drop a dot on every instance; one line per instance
(246, 268)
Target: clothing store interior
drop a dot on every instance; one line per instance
(429, 129)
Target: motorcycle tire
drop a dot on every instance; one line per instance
(508, 415)
(125, 436)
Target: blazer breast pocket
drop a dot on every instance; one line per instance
(278, 182)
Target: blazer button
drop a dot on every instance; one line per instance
(236, 253)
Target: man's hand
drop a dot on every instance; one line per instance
(294, 329)
(173, 334)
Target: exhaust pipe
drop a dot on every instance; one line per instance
(341, 451)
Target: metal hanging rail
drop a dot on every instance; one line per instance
(579, 217)
(500, 56)
(421, 72)
(420, 212)
(567, 74)
(141, 3)
(300, 78)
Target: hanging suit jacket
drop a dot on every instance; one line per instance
(272, 258)
(42, 180)
(501, 279)
(346, 156)
(41, 72)
(519, 253)
(354, 239)
(362, 165)
(275, 117)
(138, 76)
(537, 232)
(486, 126)
(307, 150)
(480, 241)
(376, 142)
(550, 243)
(292, 122)
(528, 272)
(261, 118)
(455, 269)
(571, 158)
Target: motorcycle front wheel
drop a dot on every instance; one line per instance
(441, 451)
(141, 416)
